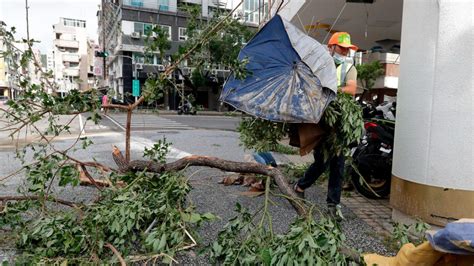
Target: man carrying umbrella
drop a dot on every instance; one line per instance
(339, 46)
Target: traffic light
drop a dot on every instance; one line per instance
(101, 54)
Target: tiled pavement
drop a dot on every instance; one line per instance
(376, 213)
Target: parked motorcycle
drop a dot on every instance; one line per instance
(372, 158)
(186, 108)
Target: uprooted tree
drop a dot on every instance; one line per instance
(141, 213)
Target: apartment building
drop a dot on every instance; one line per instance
(11, 73)
(4, 86)
(72, 55)
(123, 25)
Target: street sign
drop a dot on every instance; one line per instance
(136, 88)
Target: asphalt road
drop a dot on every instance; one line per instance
(166, 123)
(207, 122)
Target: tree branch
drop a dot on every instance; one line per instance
(115, 251)
(214, 162)
(49, 198)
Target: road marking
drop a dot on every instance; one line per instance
(143, 142)
(115, 122)
(82, 127)
(150, 123)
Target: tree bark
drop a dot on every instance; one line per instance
(214, 162)
(127, 134)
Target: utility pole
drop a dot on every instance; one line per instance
(103, 40)
(27, 22)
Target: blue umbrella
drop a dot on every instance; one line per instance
(292, 77)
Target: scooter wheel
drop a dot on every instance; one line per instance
(372, 184)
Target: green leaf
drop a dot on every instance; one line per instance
(217, 248)
(265, 256)
(156, 245)
(24, 238)
(194, 218)
(162, 244)
(209, 216)
(311, 242)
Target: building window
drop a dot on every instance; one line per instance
(138, 27)
(74, 23)
(147, 29)
(252, 10)
(137, 3)
(164, 5)
(167, 30)
(138, 58)
(182, 34)
(148, 59)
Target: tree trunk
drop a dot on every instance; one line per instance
(225, 165)
(127, 134)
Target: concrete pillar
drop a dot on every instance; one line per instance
(433, 167)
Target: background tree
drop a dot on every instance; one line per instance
(220, 50)
(368, 73)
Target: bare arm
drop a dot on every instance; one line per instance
(350, 88)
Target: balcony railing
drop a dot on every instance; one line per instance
(73, 72)
(66, 43)
(73, 58)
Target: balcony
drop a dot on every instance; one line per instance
(73, 58)
(384, 58)
(66, 43)
(386, 82)
(72, 72)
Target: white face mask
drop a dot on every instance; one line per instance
(338, 59)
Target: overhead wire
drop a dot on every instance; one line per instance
(334, 23)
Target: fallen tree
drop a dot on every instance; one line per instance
(214, 162)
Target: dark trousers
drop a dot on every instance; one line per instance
(336, 173)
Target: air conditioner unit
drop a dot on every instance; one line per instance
(186, 70)
(136, 35)
(161, 68)
(138, 66)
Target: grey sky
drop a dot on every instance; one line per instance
(44, 13)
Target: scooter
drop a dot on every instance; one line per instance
(371, 167)
(186, 108)
(372, 160)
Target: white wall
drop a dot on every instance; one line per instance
(127, 27)
(435, 109)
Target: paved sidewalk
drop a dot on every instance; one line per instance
(376, 213)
